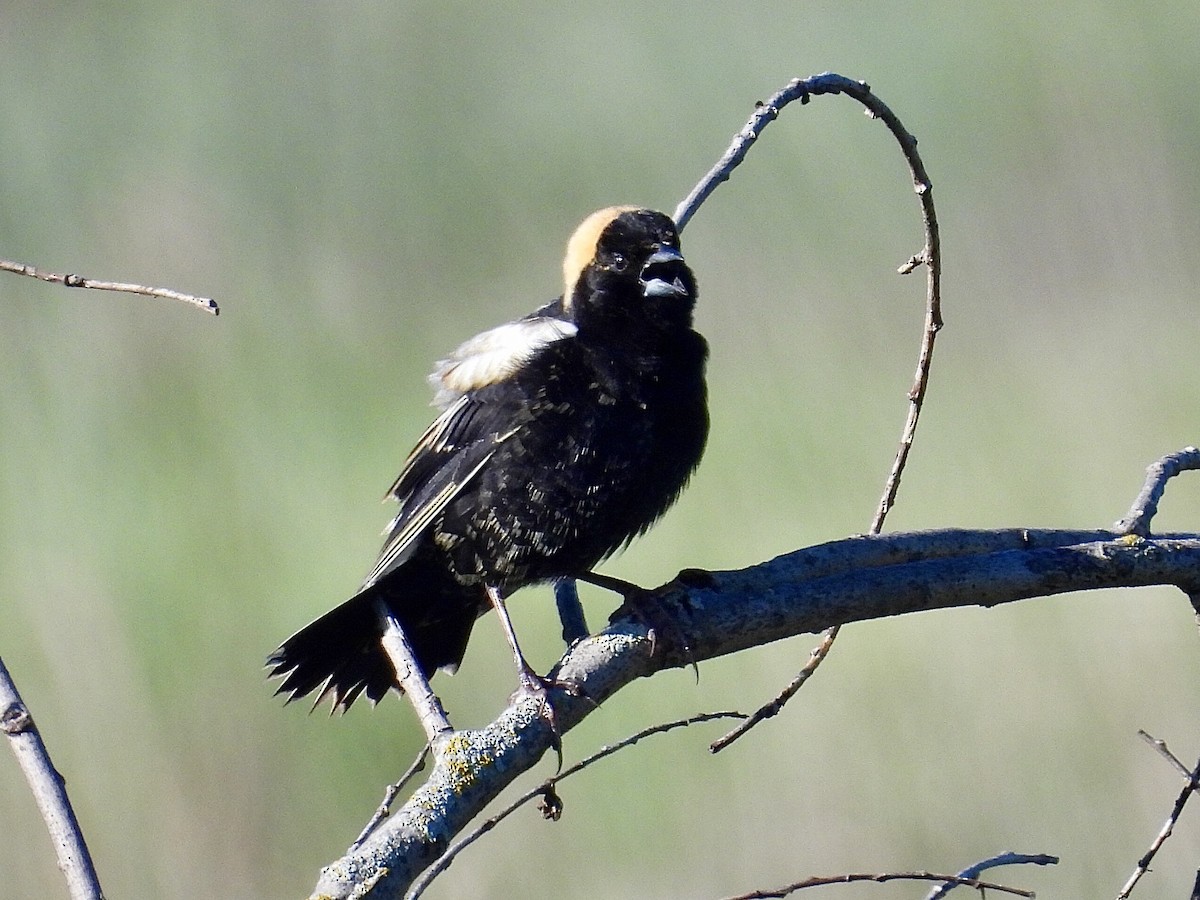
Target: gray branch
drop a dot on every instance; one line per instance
(856, 579)
(408, 673)
(1002, 859)
(49, 790)
(78, 281)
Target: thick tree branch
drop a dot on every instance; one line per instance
(855, 579)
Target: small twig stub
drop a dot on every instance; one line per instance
(1158, 473)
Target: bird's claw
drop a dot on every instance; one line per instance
(662, 627)
(532, 686)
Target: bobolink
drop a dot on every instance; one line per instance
(562, 436)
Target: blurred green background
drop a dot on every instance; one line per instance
(363, 185)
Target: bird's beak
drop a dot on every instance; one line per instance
(661, 274)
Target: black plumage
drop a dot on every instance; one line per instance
(562, 436)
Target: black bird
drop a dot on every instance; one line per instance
(562, 436)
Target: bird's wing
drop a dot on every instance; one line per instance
(448, 456)
(474, 422)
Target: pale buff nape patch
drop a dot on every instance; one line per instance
(581, 248)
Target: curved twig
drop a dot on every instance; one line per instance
(803, 89)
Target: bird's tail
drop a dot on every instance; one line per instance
(340, 653)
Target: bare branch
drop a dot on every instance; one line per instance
(804, 89)
(1193, 784)
(49, 790)
(408, 674)
(766, 711)
(722, 612)
(389, 796)
(1165, 752)
(1143, 865)
(78, 281)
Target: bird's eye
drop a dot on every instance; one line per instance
(617, 262)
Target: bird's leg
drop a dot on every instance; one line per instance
(529, 682)
(570, 611)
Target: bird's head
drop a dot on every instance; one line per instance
(624, 261)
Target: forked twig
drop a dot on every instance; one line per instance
(1002, 859)
(78, 281)
(552, 808)
(826, 880)
(1192, 786)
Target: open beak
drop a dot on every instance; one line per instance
(661, 274)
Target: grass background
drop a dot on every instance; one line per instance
(363, 185)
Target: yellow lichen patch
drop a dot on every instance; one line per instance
(463, 761)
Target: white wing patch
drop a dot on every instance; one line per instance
(493, 355)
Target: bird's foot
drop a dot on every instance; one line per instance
(532, 686)
(647, 608)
